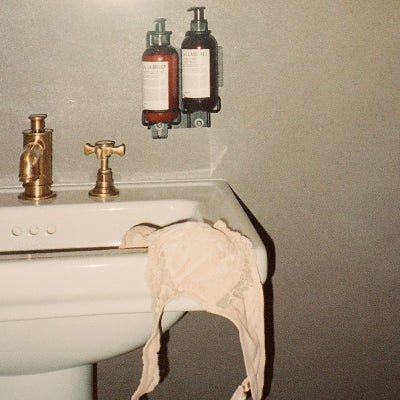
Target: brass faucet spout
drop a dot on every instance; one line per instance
(35, 163)
(29, 163)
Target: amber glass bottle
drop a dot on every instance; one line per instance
(160, 63)
(199, 65)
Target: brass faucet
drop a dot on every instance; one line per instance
(35, 164)
(104, 184)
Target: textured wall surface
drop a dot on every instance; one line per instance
(308, 137)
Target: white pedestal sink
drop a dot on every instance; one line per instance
(69, 297)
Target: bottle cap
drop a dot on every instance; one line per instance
(198, 24)
(159, 36)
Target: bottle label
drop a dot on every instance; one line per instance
(196, 73)
(155, 85)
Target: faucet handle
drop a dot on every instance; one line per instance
(103, 150)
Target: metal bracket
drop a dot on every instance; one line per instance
(201, 119)
(159, 131)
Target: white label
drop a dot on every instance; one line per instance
(196, 73)
(155, 85)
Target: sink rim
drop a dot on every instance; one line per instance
(203, 191)
(217, 202)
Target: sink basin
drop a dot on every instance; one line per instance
(70, 297)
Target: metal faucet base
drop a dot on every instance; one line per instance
(25, 196)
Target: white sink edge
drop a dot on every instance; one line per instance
(231, 207)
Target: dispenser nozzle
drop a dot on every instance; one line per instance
(160, 24)
(159, 36)
(198, 24)
(198, 13)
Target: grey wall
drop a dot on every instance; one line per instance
(308, 138)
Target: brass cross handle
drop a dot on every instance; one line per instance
(103, 150)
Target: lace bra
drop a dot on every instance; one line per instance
(217, 268)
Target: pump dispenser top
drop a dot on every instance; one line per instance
(158, 37)
(198, 24)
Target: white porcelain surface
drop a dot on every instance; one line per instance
(60, 309)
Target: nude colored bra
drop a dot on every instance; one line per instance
(216, 267)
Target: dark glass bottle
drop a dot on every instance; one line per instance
(160, 76)
(199, 65)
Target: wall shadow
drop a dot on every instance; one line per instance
(268, 298)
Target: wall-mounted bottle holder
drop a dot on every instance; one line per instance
(186, 118)
(185, 81)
